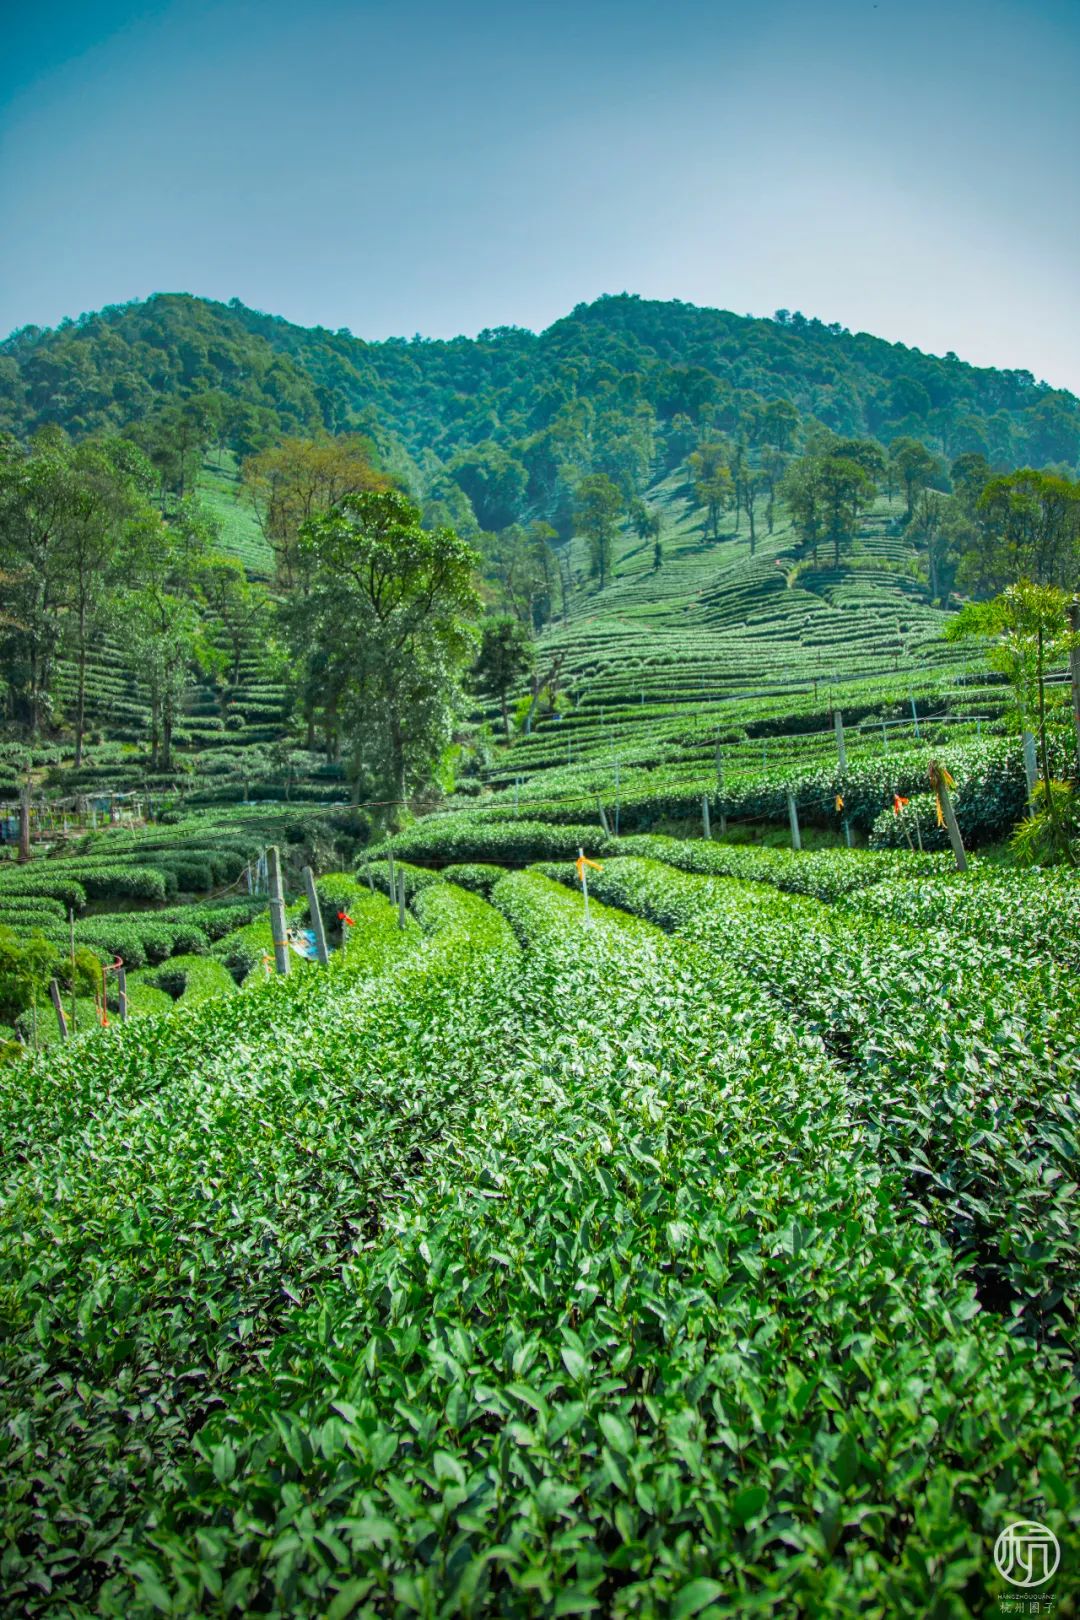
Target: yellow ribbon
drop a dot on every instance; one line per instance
(582, 862)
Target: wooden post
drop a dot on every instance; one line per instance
(884, 737)
(370, 880)
(24, 825)
(54, 991)
(1031, 768)
(584, 884)
(940, 787)
(393, 875)
(841, 750)
(847, 832)
(401, 900)
(1074, 667)
(277, 911)
(316, 916)
(121, 993)
(793, 818)
(603, 817)
(705, 816)
(71, 927)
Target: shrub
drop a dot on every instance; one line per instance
(478, 876)
(452, 840)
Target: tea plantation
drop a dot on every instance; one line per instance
(711, 1250)
(716, 1257)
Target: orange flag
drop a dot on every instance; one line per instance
(582, 862)
(898, 804)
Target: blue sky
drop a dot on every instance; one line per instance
(905, 167)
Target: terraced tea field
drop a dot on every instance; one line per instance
(718, 1256)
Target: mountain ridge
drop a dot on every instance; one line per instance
(434, 397)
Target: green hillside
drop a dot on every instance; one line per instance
(742, 633)
(612, 368)
(682, 1233)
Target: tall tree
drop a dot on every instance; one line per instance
(714, 486)
(108, 484)
(779, 425)
(1031, 528)
(388, 608)
(1027, 632)
(941, 531)
(505, 659)
(38, 495)
(802, 490)
(847, 491)
(916, 467)
(970, 474)
(158, 622)
(599, 504)
(290, 484)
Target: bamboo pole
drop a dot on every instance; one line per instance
(71, 928)
(54, 992)
(277, 911)
(793, 819)
(316, 916)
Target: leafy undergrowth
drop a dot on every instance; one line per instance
(720, 1267)
(171, 1188)
(655, 1334)
(962, 1065)
(1029, 913)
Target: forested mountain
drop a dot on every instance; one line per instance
(183, 484)
(623, 386)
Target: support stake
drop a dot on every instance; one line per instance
(277, 911)
(1031, 767)
(54, 992)
(793, 818)
(941, 788)
(315, 909)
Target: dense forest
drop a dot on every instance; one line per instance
(510, 420)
